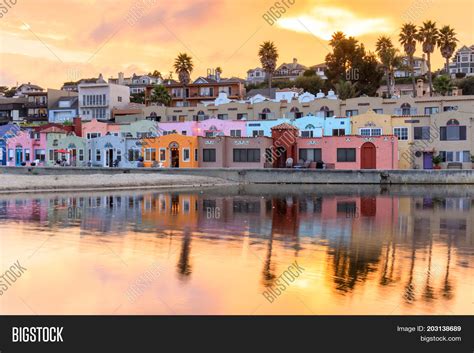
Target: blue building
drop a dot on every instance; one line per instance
(309, 126)
(66, 109)
(6, 131)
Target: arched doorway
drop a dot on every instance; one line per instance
(368, 156)
(174, 154)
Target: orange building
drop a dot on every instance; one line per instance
(171, 151)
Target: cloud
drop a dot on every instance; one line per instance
(324, 21)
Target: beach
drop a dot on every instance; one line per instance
(33, 183)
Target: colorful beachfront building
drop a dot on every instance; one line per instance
(6, 132)
(25, 148)
(336, 152)
(171, 151)
(234, 152)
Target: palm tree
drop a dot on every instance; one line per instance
(183, 66)
(346, 90)
(443, 84)
(389, 58)
(268, 54)
(428, 37)
(407, 38)
(160, 95)
(447, 44)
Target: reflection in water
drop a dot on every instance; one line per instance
(412, 248)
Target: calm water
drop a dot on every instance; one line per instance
(364, 250)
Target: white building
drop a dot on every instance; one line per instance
(96, 100)
(257, 75)
(136, 83)
(26, 88)
(463, 62)
(420, 67)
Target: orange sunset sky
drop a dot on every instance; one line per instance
(48, 42)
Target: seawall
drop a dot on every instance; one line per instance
(274, 176)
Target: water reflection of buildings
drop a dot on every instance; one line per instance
(387, 238)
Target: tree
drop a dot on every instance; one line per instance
(268, 54)
(138, 98)
(407, 38)
(160, 95)
(183, 66)
(311, 84)
(389, 58)
(447, 44)
(443, 84)
(219, 70)
(467, 85)
(428, 37)
(10, 93)
(155, 73)
(3, 89)
(309, 73)
(346, 90)
(349, 61)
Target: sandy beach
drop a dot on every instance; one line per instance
(32, 183)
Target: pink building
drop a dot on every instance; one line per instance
(350, 152)
(206, 128)
(25, 148)
(94, 128)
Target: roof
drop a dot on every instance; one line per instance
(30, 85)
(263, 92)
(54, 129)
(284, 126)
(293, 66)
(8, 129)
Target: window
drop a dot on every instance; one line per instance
(97, 155)
(27, 154)
(81, 155)
(93, 135)
(40, 155)
(257, 133)
(236, 133)
(209, 155)
(450, 108)
(133, 155)
(150, 154)
(405, 109)
(421, 133)
(452, 131)
(431, 110)
(162, 154)
(378, 111)
(346, 154)
(401, 133)
(242, 116)
(11, 154)
(352, 112)
(119, 99)
(196, 154)
(222, 116)
(455, 156)
(306, 133)
(186, 154)
(310, 154)
(370, 131)
(338, 132)
(251, 155)
(184, 132)
(210, 133)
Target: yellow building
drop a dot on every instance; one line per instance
(372, 124)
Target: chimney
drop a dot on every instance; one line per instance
(77, 123)
(295, 61)
(419, 88)
(120, 78)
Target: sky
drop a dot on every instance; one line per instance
(48, 42)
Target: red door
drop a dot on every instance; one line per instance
(368, 158)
